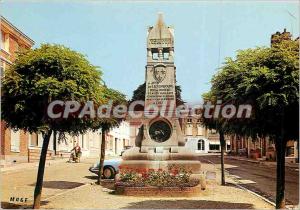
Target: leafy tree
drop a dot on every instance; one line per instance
(107, 124)
(268, 79)
(39, 76)
(140, 93)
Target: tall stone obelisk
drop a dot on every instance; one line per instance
(160, 141)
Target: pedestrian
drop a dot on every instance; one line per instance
(77, 153)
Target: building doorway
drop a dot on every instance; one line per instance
(201, 145)
(116, 145)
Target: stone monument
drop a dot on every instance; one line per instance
(160, 141)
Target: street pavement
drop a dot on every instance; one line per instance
(260, 178)
(71, 185)
(58, 178)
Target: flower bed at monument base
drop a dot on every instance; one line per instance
(149, 182)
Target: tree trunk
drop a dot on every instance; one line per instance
(248, 147)
(297, 149)
(231, 144)
(280, 179)
(41, 169)
(280, 145)
(102, 154)
(223, 145)
(237, 139)
(54, 142)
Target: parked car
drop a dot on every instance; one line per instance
(110, 169)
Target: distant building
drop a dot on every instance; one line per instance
(201, 139)
(14, 144)
(118, 139)
(279, 37)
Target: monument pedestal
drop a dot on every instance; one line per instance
(161, 158)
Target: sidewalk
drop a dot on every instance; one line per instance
(264, 162)
(25, 166)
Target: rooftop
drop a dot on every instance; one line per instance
(17, 30)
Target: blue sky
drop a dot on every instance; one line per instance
(113, 35)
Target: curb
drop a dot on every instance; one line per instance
(243, 159)
(263, 162)
(254, 193)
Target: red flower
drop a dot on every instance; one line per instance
(145, 175)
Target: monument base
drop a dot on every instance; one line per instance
(177, 165)
(159, 191)
(154, 158)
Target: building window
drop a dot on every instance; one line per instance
(200, 130)
(40, 139)
(82, 142)
(166, 56)
(111, 143)
(116, 145)
(1, 72)
(15, 141)
(155, 56)
(201, 145)
(228, 146)
(5, 42)
(2, 40)
(189, 130)
(212, 131)
(214, 147)
(2, 69)
(33, 140)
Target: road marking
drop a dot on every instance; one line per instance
(246, 181)
(233, 176)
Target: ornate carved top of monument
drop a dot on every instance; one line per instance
(160, 36)
(160, 69)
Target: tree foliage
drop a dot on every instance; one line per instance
(117, 98)
(268, 79)
(39, 76)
